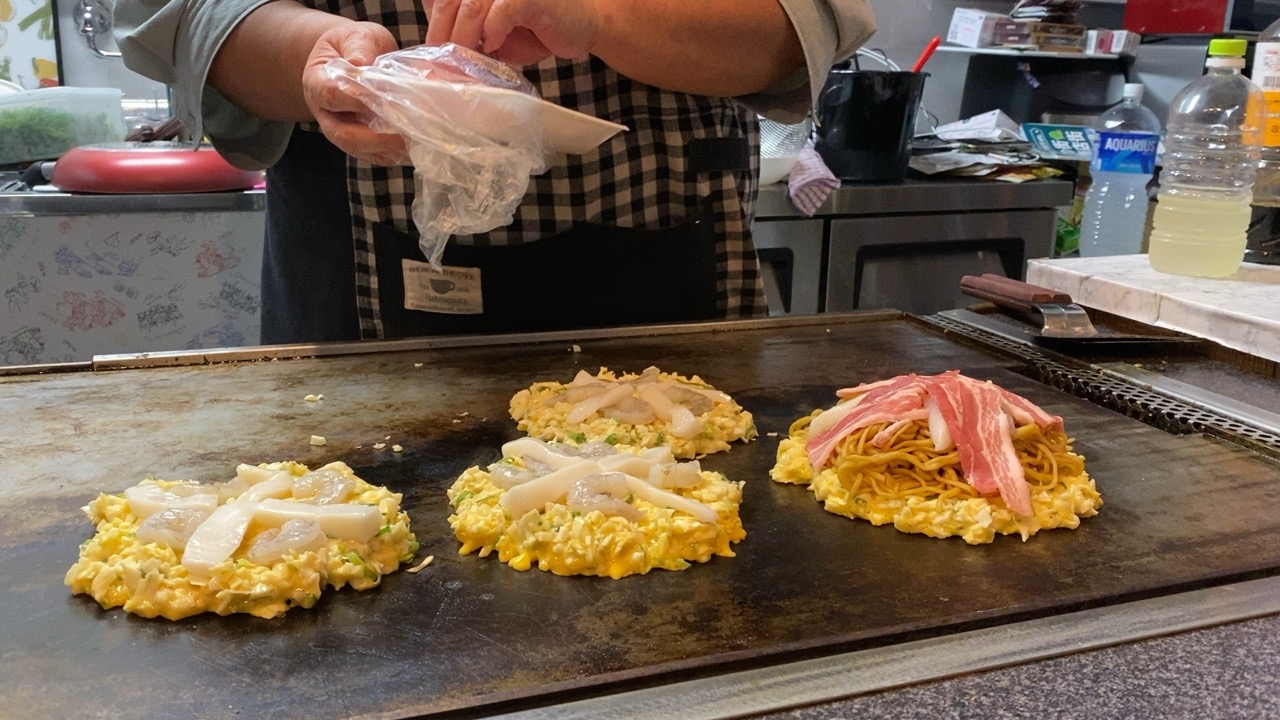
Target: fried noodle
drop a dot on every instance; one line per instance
(908, 466)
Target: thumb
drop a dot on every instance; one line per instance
(364, 42)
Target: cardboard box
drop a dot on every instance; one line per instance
(1093, 42)
(1124, 42)
(1112, 42)
(1012, 32)
(972, 28)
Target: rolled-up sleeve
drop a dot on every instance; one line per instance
(829, 31)
(174, 42)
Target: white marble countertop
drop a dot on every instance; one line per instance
(1241, 312)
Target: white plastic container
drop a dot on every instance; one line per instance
(42, 124)
(1210, 163)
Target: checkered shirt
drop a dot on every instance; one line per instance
(638, 179)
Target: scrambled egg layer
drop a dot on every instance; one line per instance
(977, 519)
(721, 425)
(149, 579)
(566, 542)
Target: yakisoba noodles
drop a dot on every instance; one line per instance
(905, 451)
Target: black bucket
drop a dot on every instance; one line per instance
(866, 119)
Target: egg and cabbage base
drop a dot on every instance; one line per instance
(920, 490)
(567, 542)
(723, 424)
(149, 580)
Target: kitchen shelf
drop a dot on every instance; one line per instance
(1014, 52)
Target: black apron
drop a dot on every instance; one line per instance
(590, 276)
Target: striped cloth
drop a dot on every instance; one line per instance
(810, 181)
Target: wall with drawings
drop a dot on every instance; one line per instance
(28, 44)
(79, 286)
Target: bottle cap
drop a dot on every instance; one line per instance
(1228, 47)
(1133, 90)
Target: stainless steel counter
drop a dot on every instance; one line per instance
(914, 196)
(43, 204)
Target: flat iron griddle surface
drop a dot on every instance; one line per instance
(1180, 512)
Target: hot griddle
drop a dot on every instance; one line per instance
(470, 635)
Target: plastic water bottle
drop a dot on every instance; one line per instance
(1264, 238)
(1210, 163)
(1115, 208)
(1266, 75)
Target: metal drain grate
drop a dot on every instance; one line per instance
(1140, 403)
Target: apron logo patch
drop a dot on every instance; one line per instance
(455, 291)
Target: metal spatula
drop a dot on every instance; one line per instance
(1061, 319)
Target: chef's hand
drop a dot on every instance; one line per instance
(343, 118)
(519, 32)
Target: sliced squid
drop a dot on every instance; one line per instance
(228, 489)
(658, 400)
(577, 393)
(213, 541)
(713, 395)
(253, 474)
(637, 465)
(662, 498)
(343, 522)
(528, 448)
(279, 485)
(592, 405)
(585, 378)
(552, 488)
(675, 474)
(147, 499)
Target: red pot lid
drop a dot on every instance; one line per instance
(148, 167)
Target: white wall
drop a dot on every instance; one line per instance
(81, 68)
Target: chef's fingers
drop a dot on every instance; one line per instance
(565, 28)
(340, 108)
(357, 43)
(461, 22)
(521, 47)
(352, 135)
(363, 42)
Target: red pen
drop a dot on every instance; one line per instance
(928, 51)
